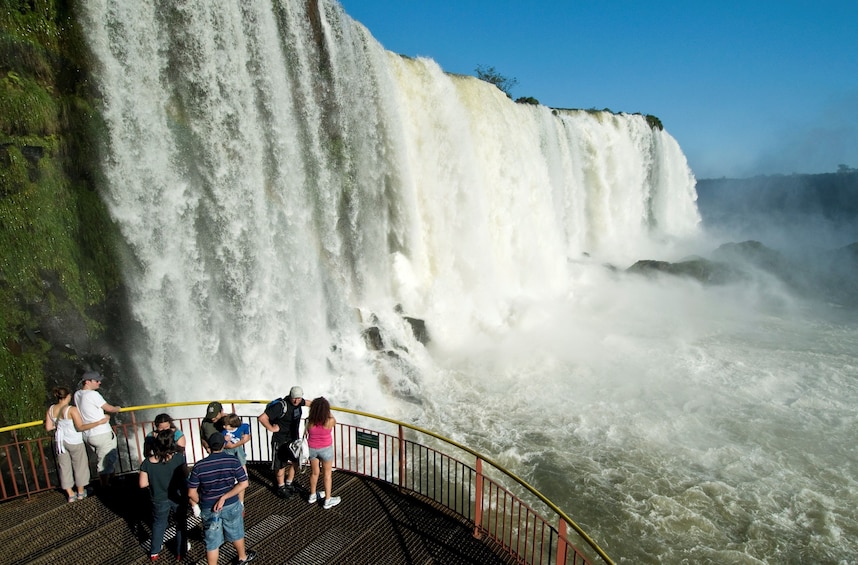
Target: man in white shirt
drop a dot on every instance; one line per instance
(101, 438)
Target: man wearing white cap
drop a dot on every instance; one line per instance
(101, 438)
(282, 418)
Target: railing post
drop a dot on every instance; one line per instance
(137, 438)
(561, 542)
(23, 465)
(45, 471)
(401, 456)
(478, 509)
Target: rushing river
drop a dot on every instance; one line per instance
(676, 424)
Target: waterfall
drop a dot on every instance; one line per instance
(279, 180)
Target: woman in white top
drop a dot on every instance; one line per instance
(72, 460)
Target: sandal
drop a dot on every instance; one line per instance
(72, 498)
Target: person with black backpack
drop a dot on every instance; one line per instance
(282, 417)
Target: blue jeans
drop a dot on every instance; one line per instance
(227, 523)
(160, 515)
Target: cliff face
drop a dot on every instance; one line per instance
(59, 282)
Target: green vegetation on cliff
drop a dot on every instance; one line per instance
(56, 262)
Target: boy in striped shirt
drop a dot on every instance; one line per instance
(214, 484)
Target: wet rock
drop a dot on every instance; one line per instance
(372, 338)
(418, 327)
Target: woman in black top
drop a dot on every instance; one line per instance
(164, 472)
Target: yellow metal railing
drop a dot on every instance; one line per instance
(28, 467)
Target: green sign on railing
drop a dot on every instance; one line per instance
(366, 439)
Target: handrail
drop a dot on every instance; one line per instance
(35, 423)
(565, 519)
(497, 466)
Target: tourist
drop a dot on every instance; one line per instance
(212, 423)
(282, 417)
(320, 440)
(72, 460)
(100, 438)
(214, 484)
(165, 422)
(235, 434)
(164, 472)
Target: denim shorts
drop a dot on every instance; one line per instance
(323, 453)
(228, 523)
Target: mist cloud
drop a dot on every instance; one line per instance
(814, 143)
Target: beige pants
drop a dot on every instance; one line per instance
(104, 446)
(73, 466)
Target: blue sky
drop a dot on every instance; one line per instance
(747, 88)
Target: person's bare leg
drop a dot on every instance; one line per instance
(211, 556)
(239, 549)
(292, 469)
(326, 467)
(314, 475)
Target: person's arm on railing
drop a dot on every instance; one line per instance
(111, 408)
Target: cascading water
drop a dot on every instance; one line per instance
(281, 182)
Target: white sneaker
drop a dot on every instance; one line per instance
(322, 495)
(312, 499)
(331, 502)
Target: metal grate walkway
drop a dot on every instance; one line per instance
(374, 524)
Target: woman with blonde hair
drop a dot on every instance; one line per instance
(72, 460)
(320, 440)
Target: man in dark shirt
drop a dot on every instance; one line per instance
(283, 419)
(214, 484)
(212, 423)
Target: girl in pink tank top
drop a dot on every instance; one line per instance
(320, 440)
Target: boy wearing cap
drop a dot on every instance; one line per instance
(211, 424)
(100, 438)
(214, 484)
(282, 418)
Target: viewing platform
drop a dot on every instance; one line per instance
(408, 496)
(375, 523)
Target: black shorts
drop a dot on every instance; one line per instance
(283, 456)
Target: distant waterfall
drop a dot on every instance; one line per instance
(279, 178)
